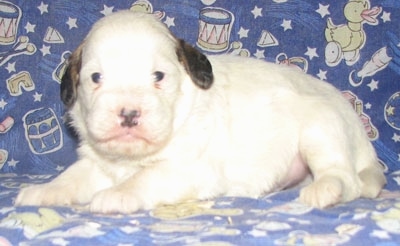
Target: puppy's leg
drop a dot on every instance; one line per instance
(328, 151)
(161, 184)
(373, 179)
(76, 185)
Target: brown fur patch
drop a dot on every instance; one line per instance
(70, 79)
(196, 64)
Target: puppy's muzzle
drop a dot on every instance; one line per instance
(130, 118)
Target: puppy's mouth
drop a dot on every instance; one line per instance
(127, 132)
(124, 136)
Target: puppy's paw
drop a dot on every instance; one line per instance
(322, 193)
(44, 195)
(114, 200)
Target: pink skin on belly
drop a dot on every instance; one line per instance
(298, 172)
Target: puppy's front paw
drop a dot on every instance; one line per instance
(114, 200)
(44, 195)
(322, 193)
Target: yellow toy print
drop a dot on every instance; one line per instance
(307, 239)
(389, 220)
(346, 40)
(145, 6)
(191, 208)
(34, 223)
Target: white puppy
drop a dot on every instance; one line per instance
(160, 122)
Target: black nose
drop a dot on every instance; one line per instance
(129, 117)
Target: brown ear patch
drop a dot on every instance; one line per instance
(70, 79)
(196, 65)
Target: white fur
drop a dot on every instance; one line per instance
(260, 128)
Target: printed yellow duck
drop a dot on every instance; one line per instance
(346, 40)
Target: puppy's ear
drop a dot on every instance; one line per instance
(70, 79)
(196, 65)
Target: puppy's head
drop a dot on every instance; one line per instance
(124, 83)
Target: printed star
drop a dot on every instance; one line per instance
(60, 168)
(37, 97)
(170, 21)
(10, 67)
(323, 10)
(322, 74)
(385, 16)
(359, 216)
(396, 138)
(12, 163)
(43, 8)
(29, 27)
(45, 50)
(286, 24)
(397, 179)
(243, 33)
(3, 103)
(259, 54)
(107, 10)
(373, 85)
(256, 12)
(72, 23)
(60, 241)
(399, 157)
(6, 210)
(368, 106)
(311, 53)
(390, 110)
(380, 234)
(129, 229)
(257, 233)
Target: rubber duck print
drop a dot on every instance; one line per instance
(144, 6)
(346, 40)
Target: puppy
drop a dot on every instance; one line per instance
(159, 122)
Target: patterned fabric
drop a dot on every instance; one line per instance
(277, 219)
(354, 44)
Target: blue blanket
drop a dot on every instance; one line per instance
(277, 219)
(354, 44)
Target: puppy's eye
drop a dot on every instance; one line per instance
(158, 76)
(97, 77)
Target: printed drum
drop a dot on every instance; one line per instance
(9, 19)
(214, 29)
(42, 131)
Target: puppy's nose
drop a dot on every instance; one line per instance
(129, 117)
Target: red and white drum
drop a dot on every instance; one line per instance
(9, 20)
(214, 29)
